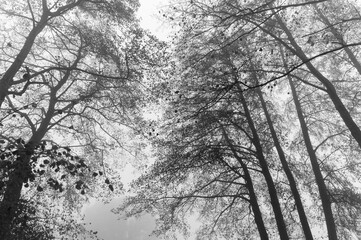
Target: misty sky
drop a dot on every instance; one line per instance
(109, 225)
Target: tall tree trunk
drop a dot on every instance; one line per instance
(12, 194)
(293, 185)
(265, 170)
(254, 202)
(9, 204)
(325, 198)
(252, 195)
(331, 91)
(296, 195)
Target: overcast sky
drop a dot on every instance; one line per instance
(99, 215)
(150, 18)
(110, 227)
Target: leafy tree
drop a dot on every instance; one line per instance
(84, 63)
(285, 165)
(194, 105)
(228, 65)
(201, 174)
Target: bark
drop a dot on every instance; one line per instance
(325, 198)
(265, 170)
(7, 79)
(293, 185)
(252, 195)
(330, 88)
(254, 203)
(9, 204)
(12, 194)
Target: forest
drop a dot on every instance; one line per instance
(247, 117)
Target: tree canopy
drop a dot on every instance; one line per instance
(261, 129)
(258, 133)
(71, 83)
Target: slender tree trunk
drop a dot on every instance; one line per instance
(293, 185)
(301, 211)
(325, 198)
(331, 91)
(252, 195)
(265, 170)
(254, 203)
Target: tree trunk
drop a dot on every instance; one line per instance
(293, 185)
(252, 195)
(301, 212)
(14, 185)
(263, 163)
(325, 198)
(9, 204)
(331, 91)
(254, 203)
(7, 79)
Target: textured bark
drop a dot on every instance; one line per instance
(265, 170)
(293, 185)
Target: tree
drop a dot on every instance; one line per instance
(225, 49)
(285, 165)
(195, 113)
(200, 174)
(326, 203)
(84, 64)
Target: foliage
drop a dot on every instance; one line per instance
(71, 86)
(225, 55)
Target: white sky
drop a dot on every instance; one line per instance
(114, 227)
(150, 18)
(98, 216)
